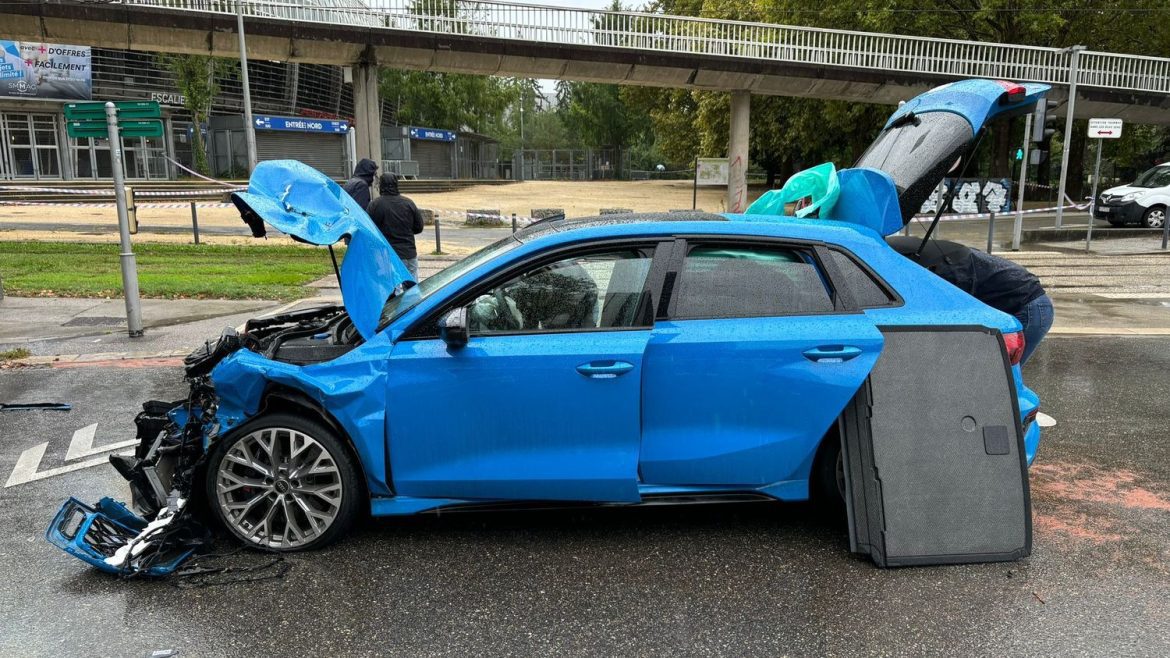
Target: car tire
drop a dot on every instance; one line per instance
(1155, 217)
(827, 485)
(283, 483)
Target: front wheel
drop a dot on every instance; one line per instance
(1155, 217)
(283, 483)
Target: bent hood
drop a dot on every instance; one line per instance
(298, 200)
(927, 136)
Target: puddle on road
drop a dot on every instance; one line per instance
(1100, 506)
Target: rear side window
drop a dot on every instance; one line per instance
(747, 282)
(866, 292)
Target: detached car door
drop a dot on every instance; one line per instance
(543, 402)
(754, 361)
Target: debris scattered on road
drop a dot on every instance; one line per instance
(37, 406)
(1042, 601)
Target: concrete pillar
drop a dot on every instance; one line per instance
(737, 151)
(367, 114)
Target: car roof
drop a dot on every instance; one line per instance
(694, 222)
(560, 224)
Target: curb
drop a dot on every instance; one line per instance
(49, 360)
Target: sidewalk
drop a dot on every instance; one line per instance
(67, 326)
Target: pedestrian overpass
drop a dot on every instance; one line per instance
(513, 39)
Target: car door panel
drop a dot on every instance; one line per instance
(737, 401)
(511, 417)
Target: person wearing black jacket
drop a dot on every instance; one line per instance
(997, 282)
(399, 220)
(358, 186)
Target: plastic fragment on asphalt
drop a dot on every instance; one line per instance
(37, 406)
(138, 544)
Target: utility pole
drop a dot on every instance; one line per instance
(249, 127)
(129, 265)
(1018, 227)
(1073, 69)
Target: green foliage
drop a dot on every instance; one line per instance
(595, 114)
(451, 100)
(195, 78)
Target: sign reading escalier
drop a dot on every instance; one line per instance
(81, 445)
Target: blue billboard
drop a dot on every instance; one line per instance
(435, 134)
(299, 124)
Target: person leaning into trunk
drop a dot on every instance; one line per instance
(997, 282)
(399, 220)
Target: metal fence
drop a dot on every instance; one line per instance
(661, 33)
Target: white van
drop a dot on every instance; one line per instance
(1143, 201)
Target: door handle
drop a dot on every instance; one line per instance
(832, 353)
(604, 369)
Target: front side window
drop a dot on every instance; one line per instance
(595, 291)
(747, 282)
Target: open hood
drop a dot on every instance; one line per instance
(926, 137)
(298, 200)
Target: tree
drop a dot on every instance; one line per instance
(450, 100)
(196, 78)
(595, 114)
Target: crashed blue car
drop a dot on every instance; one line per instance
(621, 360)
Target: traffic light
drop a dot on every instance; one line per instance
(1043, 123)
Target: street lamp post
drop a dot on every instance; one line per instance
(249, 127)
(1073, 66)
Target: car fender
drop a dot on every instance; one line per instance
(346, 388)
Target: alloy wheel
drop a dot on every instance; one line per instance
(278, 488)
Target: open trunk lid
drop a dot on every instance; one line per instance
(926, 138)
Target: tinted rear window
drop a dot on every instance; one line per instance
(744, 282)
(866, 292)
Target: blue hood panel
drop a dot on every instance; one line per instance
(298, 200)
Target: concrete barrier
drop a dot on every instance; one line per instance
(484, 217)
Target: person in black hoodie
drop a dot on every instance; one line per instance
(398, 219)
(358, 186)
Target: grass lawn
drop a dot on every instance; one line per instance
(175, 271)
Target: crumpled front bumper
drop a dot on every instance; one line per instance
(95, 534)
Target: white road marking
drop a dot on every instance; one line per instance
(81, 445)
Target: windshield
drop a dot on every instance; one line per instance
(1156, 177)
(401, 303)
(917, 153)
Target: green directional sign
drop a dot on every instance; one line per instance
(126, 110)
(131, 128)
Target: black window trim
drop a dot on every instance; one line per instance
(895, 298)
(426, 327)
(842, 304)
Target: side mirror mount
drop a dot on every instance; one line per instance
(453, 328)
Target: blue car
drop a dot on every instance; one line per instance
(611, 360)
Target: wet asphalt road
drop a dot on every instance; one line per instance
(723, 579)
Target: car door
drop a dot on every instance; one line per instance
(543, 402)
(751, 361)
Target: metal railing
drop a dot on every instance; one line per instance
(659, 33)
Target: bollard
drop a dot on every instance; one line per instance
(438, 242)
(195, 222)
(990, 232)
(1165, 233)
(513, 222)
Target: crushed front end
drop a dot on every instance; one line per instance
(164, 525)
